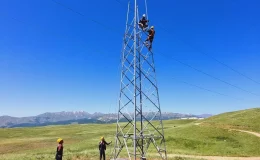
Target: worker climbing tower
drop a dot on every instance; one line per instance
(139, 124)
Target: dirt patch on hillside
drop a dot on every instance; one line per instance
(214, 157)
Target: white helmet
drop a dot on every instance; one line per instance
(143, 15)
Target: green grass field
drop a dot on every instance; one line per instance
(245, 120)
(81, 141)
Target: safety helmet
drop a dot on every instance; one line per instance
(152, 27)
(102, 138)
(143, 15)
(59, 140)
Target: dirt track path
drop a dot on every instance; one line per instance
(250, 132)
(254, 133)
(219, 157)
(214, 157)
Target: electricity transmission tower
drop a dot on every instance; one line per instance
(139, 124)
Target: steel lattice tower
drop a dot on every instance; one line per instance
(139, 123)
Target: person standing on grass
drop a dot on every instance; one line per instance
(59, 151)
(102, 148)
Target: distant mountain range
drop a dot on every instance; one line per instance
(81, 117)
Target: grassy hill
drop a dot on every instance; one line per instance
(245, 119)
(81, 141)
(182, 137)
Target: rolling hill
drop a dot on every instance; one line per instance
(183, 137)
(245, 120)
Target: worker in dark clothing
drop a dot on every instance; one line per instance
(143, 23)
(102, 148)
(59, 151)
(150, 37)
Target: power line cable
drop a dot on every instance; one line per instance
(213, 58)
(123, 4)
(119, 2)
(81, 14)
(166, 55)
(216, 78)
(198, 70)
(208, 55)
(174, 78)
(209, 90)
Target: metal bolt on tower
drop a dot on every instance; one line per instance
(139, 123)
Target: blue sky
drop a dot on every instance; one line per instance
(53, 59)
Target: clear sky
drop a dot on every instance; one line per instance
(54, 59)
